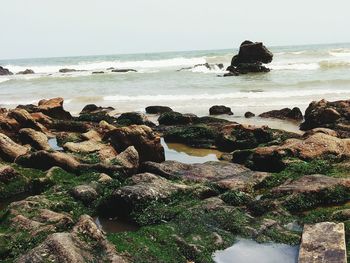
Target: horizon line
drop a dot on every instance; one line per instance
(172, 51)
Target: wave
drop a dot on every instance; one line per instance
(334, 64)
(102, 65)
(294, 66)
(236, 95)
(4, 80)
(213, 69)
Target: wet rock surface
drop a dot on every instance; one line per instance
(323, 242)
(99, 166)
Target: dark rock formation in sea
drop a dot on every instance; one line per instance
(124, 70)
(5, 71)
(219, 110)
(249, 114)
(67, 70)
(206, 65)
(26, 72)
(251, 57)
(158, 109)
(284, 114)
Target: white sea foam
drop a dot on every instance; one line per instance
(236, 95)
(294, 66)
(101, 65)
(203, 69)
(2, 79)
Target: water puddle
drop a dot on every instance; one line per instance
(248, 251)
(53, 144)
(115, 225)
(186, 154)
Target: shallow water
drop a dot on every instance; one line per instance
(247, 251)
(185, 154)
(115, 225)
(54, 145)
(299, 75)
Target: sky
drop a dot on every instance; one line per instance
(51, 28)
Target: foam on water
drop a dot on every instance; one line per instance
(247, 251)
(235, 95)
(101, 65)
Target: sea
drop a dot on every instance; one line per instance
(299, 75)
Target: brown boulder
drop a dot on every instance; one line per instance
(5, 71)
(335, 115)
(54, 108)
(36, 139)
(9, 150)
(220, 109)
(45, 160)
(141, 137)
(7, 174)
(318, 145)
(25, 119)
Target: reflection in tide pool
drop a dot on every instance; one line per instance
(247, 251)
(54, 145)
(185, 154)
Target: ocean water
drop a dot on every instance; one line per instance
(300, 74)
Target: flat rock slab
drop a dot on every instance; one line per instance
(323, 243)
(225, 175)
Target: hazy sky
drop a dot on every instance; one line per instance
(41, 28)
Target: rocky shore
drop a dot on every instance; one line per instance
(59, 172)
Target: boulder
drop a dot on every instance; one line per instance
(318, 145)
(311, 184)
(249, 114)
(9, 150)
(158, 109)
(323, 242)
(141, 137)
(26, 72)
(123, 70)
(98, 72)
(85, 193)
(284, 114)
(67, 70)
(36, 139)
(252, 52)
(7, 174)
(85, 243)
(5, 71)
(41, 118)
(220, 109)
(144, 188)
(224, 175)
(25, 119)
(250, 58)
(92, 109)
(92, 135)
(129, 159)
(83, 147)
(137, 118)
(334, 115)
(54, 109)
(45, 160)
(176, 118)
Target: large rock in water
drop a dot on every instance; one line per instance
(5, 71)
(284, 114)
(250, 58)
(141, 137)
(334, 115)
(225, 175)
(323, 242)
